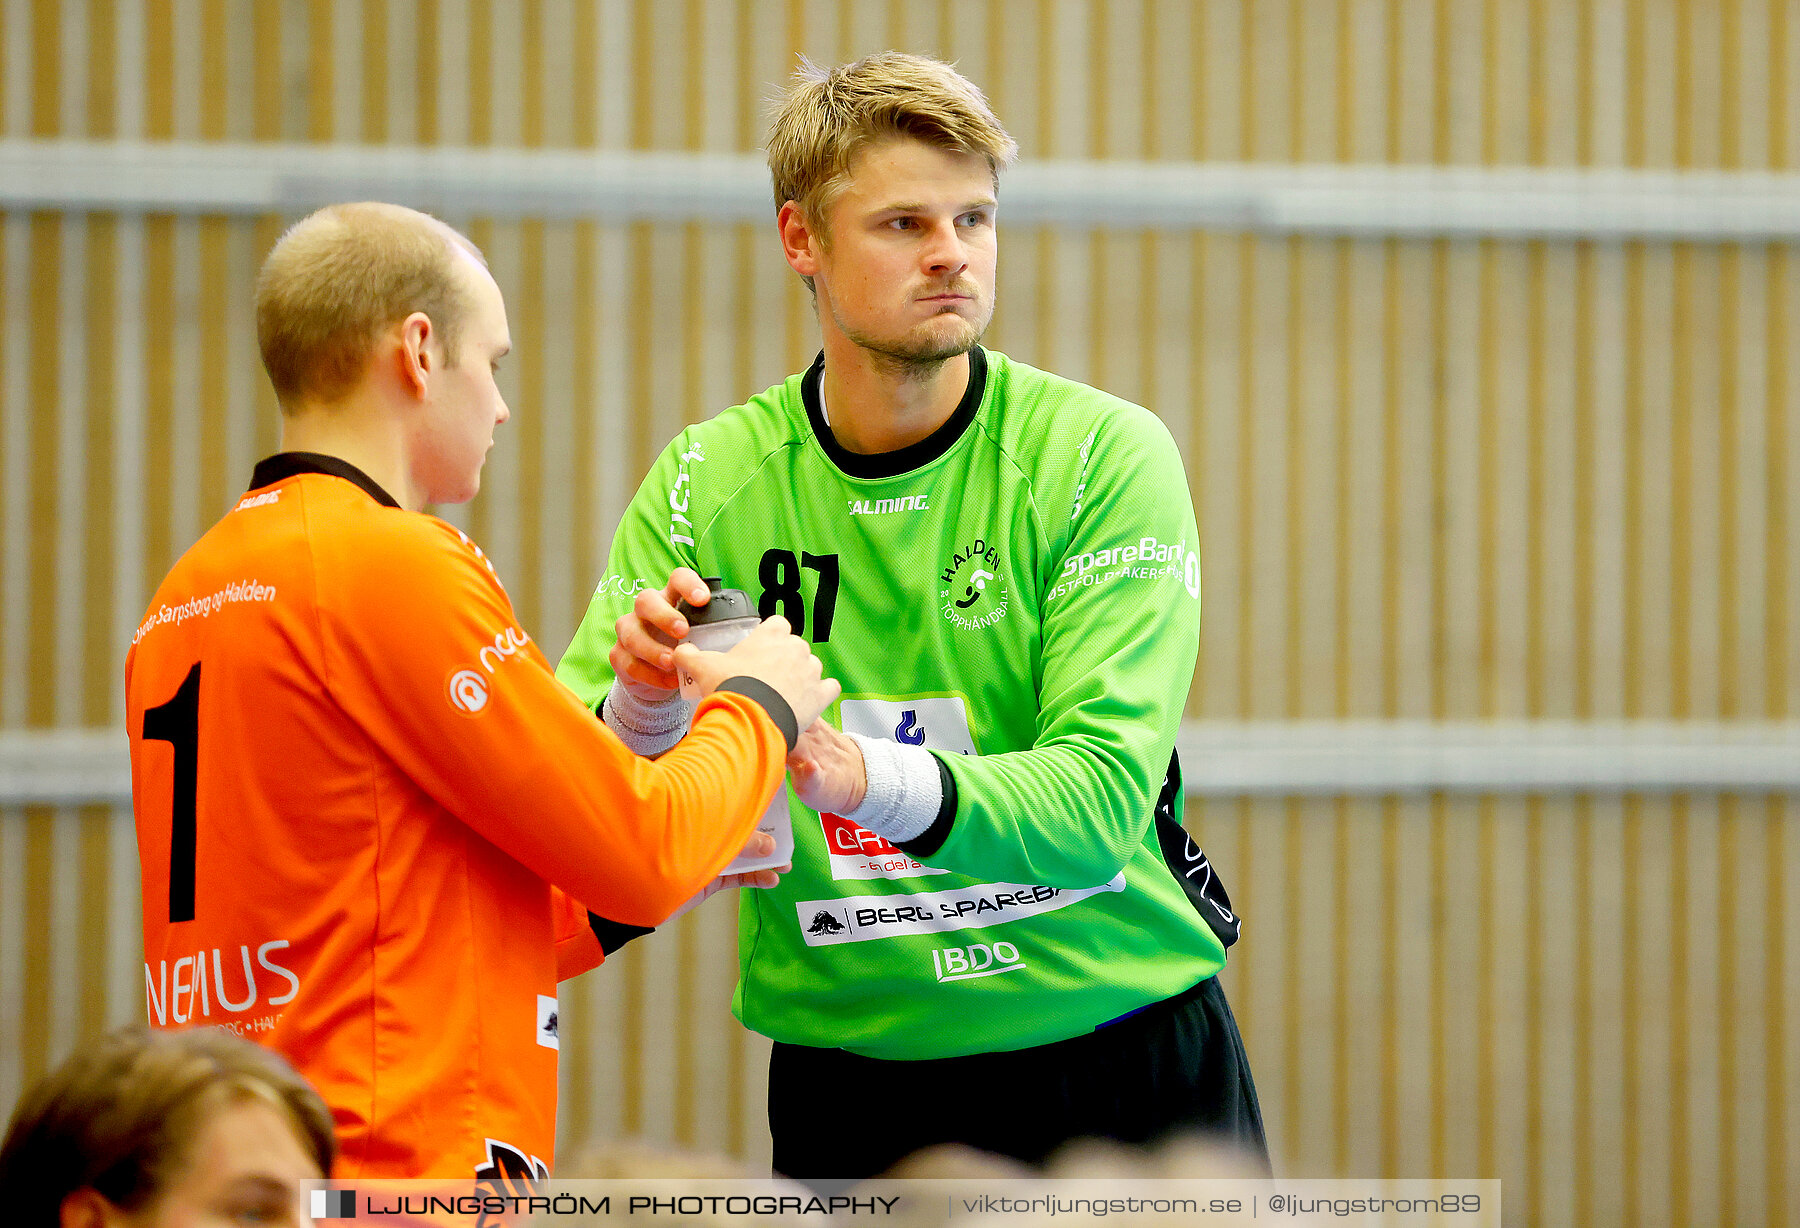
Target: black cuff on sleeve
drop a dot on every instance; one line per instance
(615, 934)
(932, 838)
(772, 702)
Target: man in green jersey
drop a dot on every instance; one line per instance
(995, 930)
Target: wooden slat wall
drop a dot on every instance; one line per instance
(1434, 479)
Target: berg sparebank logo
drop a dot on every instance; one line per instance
(973, 592)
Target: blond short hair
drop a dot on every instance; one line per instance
(120, 1116)
(829, 115)
(337, 278)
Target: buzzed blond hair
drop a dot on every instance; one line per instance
(829, 115)
(341, 275)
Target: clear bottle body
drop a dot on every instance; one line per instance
(776, 821)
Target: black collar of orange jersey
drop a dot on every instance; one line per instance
(284, 465)
(913, 455)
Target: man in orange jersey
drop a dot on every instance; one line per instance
(365, 808)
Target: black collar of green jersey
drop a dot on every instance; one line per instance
(284, 465)
(913, 455)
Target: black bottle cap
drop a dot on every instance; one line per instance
(723, 605)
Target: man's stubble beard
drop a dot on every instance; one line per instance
(914, 361)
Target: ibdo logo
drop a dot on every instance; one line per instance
(980, 959)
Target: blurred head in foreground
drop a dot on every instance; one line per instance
(142, 1129)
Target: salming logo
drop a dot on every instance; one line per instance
(878, 507)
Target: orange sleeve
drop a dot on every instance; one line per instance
(578, 949)
(423, 650)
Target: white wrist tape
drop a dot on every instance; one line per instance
(646, 728)
(904, 790)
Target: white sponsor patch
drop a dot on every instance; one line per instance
(857, 852)
(865, 918)
(547, 1022)
(937, 723)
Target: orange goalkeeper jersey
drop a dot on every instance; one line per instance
(366, 810)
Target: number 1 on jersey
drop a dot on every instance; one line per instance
(177, 722)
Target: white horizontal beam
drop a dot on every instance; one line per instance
(1385, 758)
(183, 177)
(65, 767)
(1219, 759)
(612, 185)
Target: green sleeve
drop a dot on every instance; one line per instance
(656, 535)
(1117, 660)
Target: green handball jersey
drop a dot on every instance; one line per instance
(1019, 594)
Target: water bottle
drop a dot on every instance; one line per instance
(727, 617)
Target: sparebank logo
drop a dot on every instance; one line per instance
(979, 906)
(468, 692)
(1145, 559)
(976, 960)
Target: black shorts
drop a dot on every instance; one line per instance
(1176, 1066)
